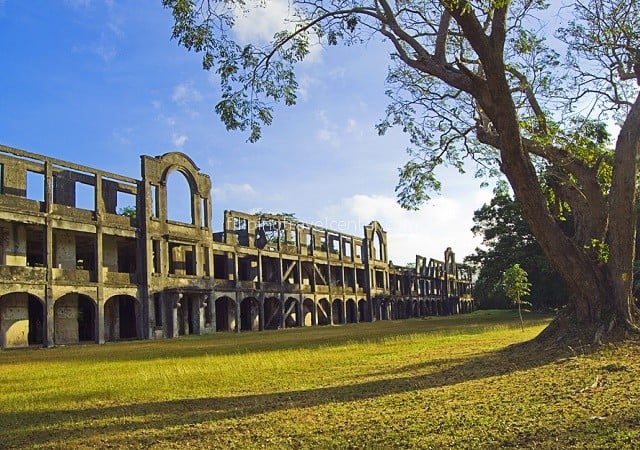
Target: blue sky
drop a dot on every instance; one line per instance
(100, 82)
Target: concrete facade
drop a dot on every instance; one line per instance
(77, 267)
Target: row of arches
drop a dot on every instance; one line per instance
(252, 314)
(23, 319)
(394, 308)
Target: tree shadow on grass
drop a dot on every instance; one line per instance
(53, 427)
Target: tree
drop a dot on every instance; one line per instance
(516, 285)
(129, 211)
(475, 79)
(507, 240)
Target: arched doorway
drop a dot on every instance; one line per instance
(324, 312)
(249, 314)
(352, 311)
(121, 314)
(337, 311)
(74, 317)
(308, 313)
(291, 313)
(362, 311)
(272, 313)
(21, 320)
(225, 314)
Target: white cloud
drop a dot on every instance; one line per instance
(179, 140)
(260, 22)
(233, 191)
(443, 222)
(185, 93)
(327, 132)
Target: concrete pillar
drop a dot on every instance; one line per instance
(237, 324)
(172, 308)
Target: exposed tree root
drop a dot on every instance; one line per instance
(565, 331)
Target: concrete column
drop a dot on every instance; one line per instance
(172, 310)
(237, 324)
(282, 305)
(261, 317)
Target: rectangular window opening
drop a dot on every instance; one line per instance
(85, 196)
(35, 186)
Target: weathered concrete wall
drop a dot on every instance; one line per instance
(65, 250)
(110, 252)
(66, 319)
(112, 320)
(14, 320)
(15, 243)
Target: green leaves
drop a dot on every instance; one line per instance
(516, 283)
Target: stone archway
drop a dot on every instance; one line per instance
(291, 313)
(225, 314)
(324, 312)
(121, 314)
(308, 313)
(74, 317)
(249, 314)
(272, 313)
(22, 320)
(337, 311)
(362, 311)
(352, 311)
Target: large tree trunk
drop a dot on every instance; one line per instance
(601, 296)
(622, 217)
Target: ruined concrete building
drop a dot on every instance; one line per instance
(72, 273)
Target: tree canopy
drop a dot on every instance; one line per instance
(477, 80)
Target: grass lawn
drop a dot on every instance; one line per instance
(453, 382)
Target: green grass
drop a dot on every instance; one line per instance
(454, 382)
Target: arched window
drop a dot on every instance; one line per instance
(377, 246)
(179, 198)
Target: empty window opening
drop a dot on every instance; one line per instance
(240, 228)
(349, 278)
(204, 213)
(219, 267)
(244, 269)
(379, 279)
(157, 309)
(35, 247)
(85, 196)
(335, 246)
(127, 256)
(358, 251)
(308, 241)
(126, 204)
(268, 234)
(155, 209)
(323, 244)
(155, 249)
(1, 178)
(377, 247)
(206, 265)
(336, 276)
(35, 186)
(181, 259)
(85, 252)
(347, 249)
(179, 204)
(360, 277)
(271, 269)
